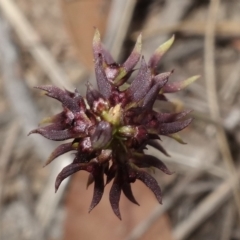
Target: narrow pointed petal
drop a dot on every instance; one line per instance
(151, 183)
(51, 127)
(57, 135)
(126, 69)
(98, 191)
(173, 127)
(177, 86)
(67, 171)
(159, 52)
(102, 135)
(146, 161)
(161, 77)
(62, 96)
(127, 190)
(63, 148)
(141, 84)
(134, 57)
(152, 95)
(158, 146)
(114, 197)
(97, 46)
(104, 86)
(171, 117)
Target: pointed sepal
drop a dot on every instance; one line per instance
(135, 55)
(171, 117)
(173, 127)
(127, 190)
(158, 146)
(114, 198)
(177, 86)
(159, 52)
(152, 95)
(147, 161)
(98, 189)
(151, 183)
(141, 84)
(62, 96)
(98, 48)
(68, 171)
(58, 135)
(104, 86)
(63, 148)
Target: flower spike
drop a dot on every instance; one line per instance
(109, 129)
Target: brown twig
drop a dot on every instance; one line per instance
(4, 156)
(231, 87)
(206, 208)
(211, 85)
(32, 42)
(118, 22)
(226, 29)
(28, 113)
(7, 150)
(172, 13)
(228, 222)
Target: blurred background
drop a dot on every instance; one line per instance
(49, 42)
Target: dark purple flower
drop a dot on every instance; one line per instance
(110, 128)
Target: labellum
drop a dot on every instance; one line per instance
(109, 128)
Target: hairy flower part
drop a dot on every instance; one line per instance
(110, 128)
